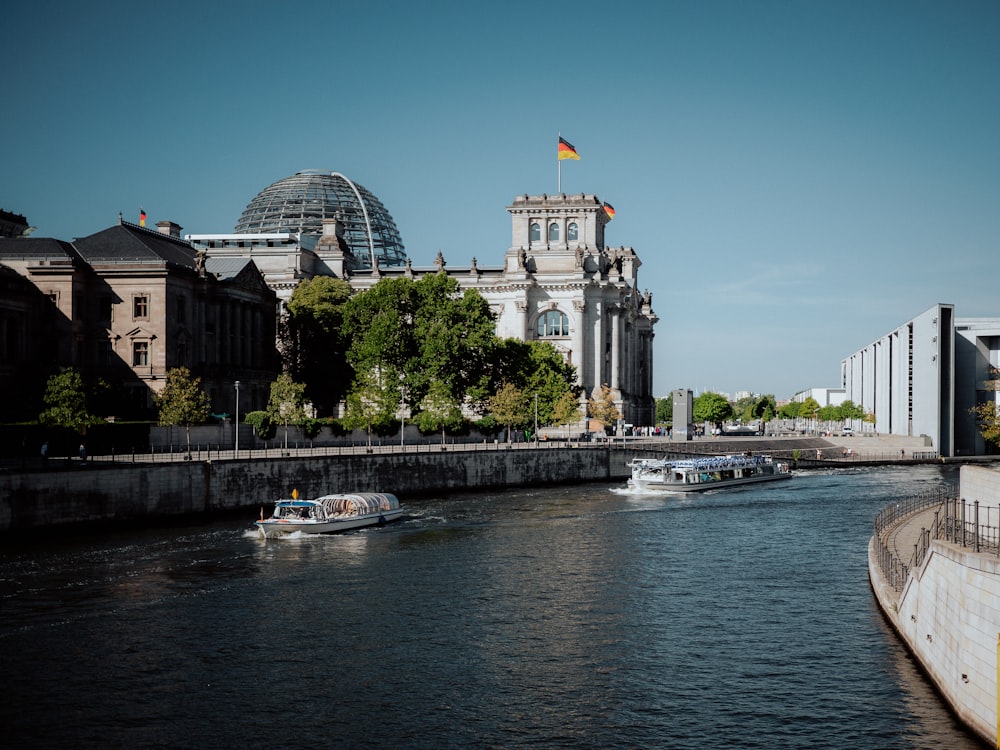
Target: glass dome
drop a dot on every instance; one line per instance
(300, 203)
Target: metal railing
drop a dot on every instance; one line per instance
(956, 521)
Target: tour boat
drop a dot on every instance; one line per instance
(329, 513)
(700, 474)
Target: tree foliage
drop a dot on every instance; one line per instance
(314, 341)
(509, 406)
(664, 410)
(566, 410)
(711, 407)
(425, 330)
(66, 402)
(263, 425)
(536, 368)
(439, 411)
(182, 402)
(809, 409)
(371, 403)
(286, 404)
(603, 408)
(790, 410)
(988, 419)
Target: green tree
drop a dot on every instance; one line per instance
(439, 410)
(664, 410)
(763, 408)
(371, 404)
(743, 408)
(182, 402)
(790, 410)
(66, 402)
(829, 413)
(313, 340)
(427, 330)
(263, 425)
(809, 408)
(851, 410)
(509, 407)
(456, 333)
(712, 407)
(603, 408)
(566, 410)
(286, 404)
(537, 368)
(988, 420)
(987, 414)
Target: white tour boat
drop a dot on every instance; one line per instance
(700, 474)
(329, 513)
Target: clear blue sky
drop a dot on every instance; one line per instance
(798, 178)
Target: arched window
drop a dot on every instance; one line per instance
(536, 232)
(553, 323)
(553, 232)
(572, 233)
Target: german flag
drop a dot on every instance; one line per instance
(142, 217)
(566, 150)
(609, 210)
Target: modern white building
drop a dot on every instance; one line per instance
(822, 396)
(926, 376)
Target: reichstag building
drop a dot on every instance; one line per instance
(557, 281)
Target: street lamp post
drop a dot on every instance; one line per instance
(402, 409)
(536, 420)
(236, 452)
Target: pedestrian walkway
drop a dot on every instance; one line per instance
(904, 541)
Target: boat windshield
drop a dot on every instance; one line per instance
(295, 510)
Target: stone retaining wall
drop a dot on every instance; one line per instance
(116, 492)
(948, 614)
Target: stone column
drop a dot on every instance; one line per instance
(616, 343)
(579, 342)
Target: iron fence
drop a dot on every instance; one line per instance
(969, 525)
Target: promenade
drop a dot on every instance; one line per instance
(934, 566)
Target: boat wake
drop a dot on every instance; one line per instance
(633, 492)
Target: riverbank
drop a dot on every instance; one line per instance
(935, 571)
(141, 488)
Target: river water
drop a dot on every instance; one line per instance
(572, 617)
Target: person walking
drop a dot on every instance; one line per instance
(83, 452)
(45, 452)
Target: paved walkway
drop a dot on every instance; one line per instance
(902, 537)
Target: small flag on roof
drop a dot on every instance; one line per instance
(609, 210)
(142, 217)
(566, 150)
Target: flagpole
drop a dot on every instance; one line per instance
(559, 168)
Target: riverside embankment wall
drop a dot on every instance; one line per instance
(68, 494)
(948, 614)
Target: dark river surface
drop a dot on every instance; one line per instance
(573, 617)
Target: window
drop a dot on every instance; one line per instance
(104, 353)
(553, 232)
(140, 353)
(140, 307)
(572, 232)
(553, 323)
(182, 310)
(104, 308)
(536, 232)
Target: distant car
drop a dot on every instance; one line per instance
(847, 431)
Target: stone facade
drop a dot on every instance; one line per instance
(559, 282)
(127, 304)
